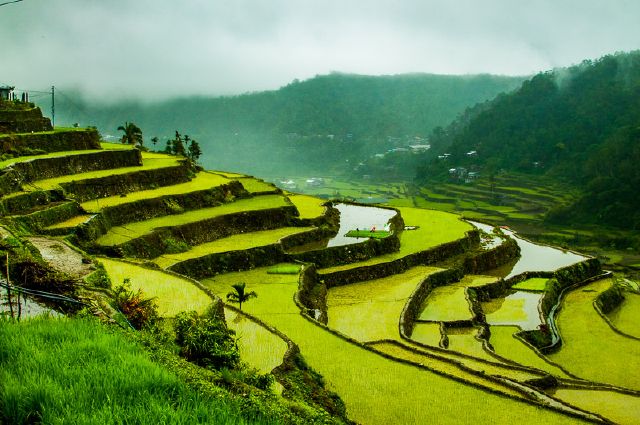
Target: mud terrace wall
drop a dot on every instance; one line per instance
(22, 203)
(55, 141)
(45, 168)
(230, 261)
(23, 121)
(158, 242)
(120, 184)
(338, 255)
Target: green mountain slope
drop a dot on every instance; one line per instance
(310, 126)
(578, 124)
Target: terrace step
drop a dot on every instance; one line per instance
(23, 120)
(156, 171)
(233, 253)
(50, 141)
(22, 203)
(66, 227)
(49, 214)
(152, 238)
(56, 165)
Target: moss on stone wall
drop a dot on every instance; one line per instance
(56, 213)
(346, 254)
(52, 141)
(118, 184)
(23, 203)
(152, 244)
(56, 166)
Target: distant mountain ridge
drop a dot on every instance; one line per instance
(306, 126)
(579, 124)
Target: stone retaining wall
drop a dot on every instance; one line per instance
(118, 184)
(51, 215)
(22, 203)
(46, 168)
(154, 244)
(55, 141)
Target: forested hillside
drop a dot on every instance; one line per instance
(316, 126)
(580, 125)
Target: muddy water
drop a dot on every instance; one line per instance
(358, 217)
(533, 257)
(520, 308)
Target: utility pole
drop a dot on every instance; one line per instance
(53, 106)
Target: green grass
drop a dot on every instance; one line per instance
(445, 304)
(620, 408)
(435, 228)
(254, 185)
(121, 234)
(591, 349)
(308, 206)
(626, 317)
(232, 243)
(201, 181)
(115, 146)
(284, 269)
(507, 346)
(375, 389)
(150, 162)
(258, 347)
(173, 294)
(64, 371)
(535, 284)
(377, 234)
(370, 310)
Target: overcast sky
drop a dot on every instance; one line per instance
(160, 48)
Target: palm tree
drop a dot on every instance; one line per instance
(240, 296)
(132, 134)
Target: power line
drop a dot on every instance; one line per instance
(9, 2)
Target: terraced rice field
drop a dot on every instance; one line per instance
(121, 234)
(620, 408)
(149, 163)
(367, 381)
(463, 340)
(507, 346)
(72, 222)
(258, 347)
(427, 333)
(172, 293)
(201, 181)
(12, 161)
(434, 228)
(535, 284)
(232, 243)
(370, 310)
(308, 206)
(518, 309)
(446, 304)
(626, 318)
(591, 349)
(254, 185)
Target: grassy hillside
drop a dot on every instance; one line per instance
(307, 127)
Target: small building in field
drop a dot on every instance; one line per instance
(6, 92)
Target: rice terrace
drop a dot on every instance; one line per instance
(436, 311)
(400, 247)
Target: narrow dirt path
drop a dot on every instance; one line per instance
(61, 257)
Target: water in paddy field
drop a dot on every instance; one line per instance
(494, 240)
(520, 309)
(358, 217)
(533, 257)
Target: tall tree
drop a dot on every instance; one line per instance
(240, 295)
(131, 134)
(194, 151)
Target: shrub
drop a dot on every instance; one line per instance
(205, 340)
(140, 312)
